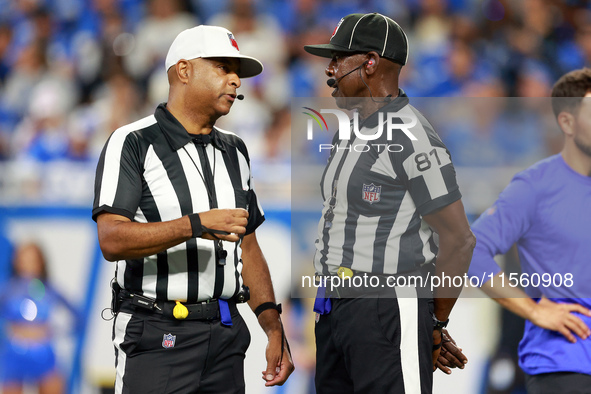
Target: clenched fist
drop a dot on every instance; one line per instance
(228, 224)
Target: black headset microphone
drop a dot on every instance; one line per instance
(332, 82)
(240, 97)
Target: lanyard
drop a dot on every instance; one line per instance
(208, 181)
(332, 202)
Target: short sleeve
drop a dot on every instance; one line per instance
(118, 181)
(424, 166)
(256, 216)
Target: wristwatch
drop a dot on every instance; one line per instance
(438, 324)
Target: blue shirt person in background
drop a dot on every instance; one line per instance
(546, 210)
(27, 355)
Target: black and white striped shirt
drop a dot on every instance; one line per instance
(381, 195)
(151, 171)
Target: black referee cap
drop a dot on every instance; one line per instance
(365, 33)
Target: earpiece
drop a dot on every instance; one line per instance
(370, 63)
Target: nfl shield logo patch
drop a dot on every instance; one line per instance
(168, 340)
(371, 193)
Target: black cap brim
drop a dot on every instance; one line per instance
(326, 50)
(249, 66)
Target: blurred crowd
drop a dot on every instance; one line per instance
(72, 71)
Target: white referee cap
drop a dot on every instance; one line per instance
(210, 41)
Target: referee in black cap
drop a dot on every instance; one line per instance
(382, 207)
(177, 211)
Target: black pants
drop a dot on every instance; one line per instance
(199, 357)
(558, 383)
(375, 345)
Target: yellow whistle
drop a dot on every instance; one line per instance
(180, 311)
(344, 272)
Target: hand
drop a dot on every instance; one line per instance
(436, 341)
(277, 373)
(559, 317)
(451, 355)
(232, 221)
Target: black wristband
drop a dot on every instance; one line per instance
(196, 226)
(267, 305)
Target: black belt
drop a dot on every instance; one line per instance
(378, 285)
(206, 310)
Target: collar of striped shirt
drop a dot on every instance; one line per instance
(394, 106)
(176, 135)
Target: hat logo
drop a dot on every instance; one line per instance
(233, 41)
(337, 28)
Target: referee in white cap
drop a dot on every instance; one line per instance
(177, 211)
(384, 200)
